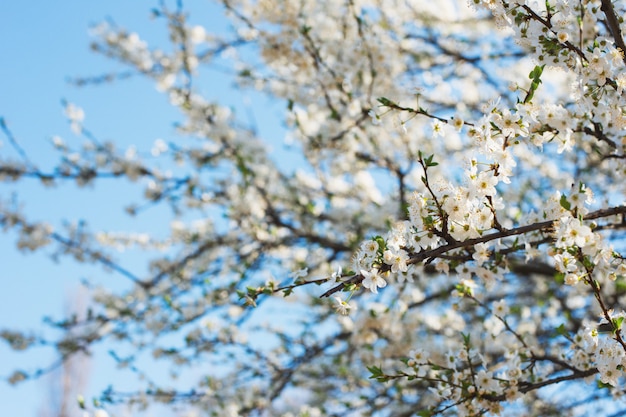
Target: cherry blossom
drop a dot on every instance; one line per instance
(440, 231)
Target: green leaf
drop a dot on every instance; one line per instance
(376, 372)
(168, 300)
(564, 203)
(463, 289)
(382, 245)
(245, 73)
(81, 402)
(428, 161)
(535, 74)
(385, 101)
(561, 330)
(618, 324)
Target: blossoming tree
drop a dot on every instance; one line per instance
(442, 236)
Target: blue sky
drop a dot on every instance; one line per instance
(42, 44)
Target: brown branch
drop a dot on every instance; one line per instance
(548, 24)
(525, 388)
(613, 23)
(424, 255)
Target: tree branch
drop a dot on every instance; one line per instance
(613, 24)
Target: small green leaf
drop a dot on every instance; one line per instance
(382, 245)
(535, 74)
(559, 277)
(428, 161)
(376, 372)
(617, 322)
(564, 203)
(245, 73)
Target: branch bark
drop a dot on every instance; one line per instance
(613, 23)
(425, 255)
